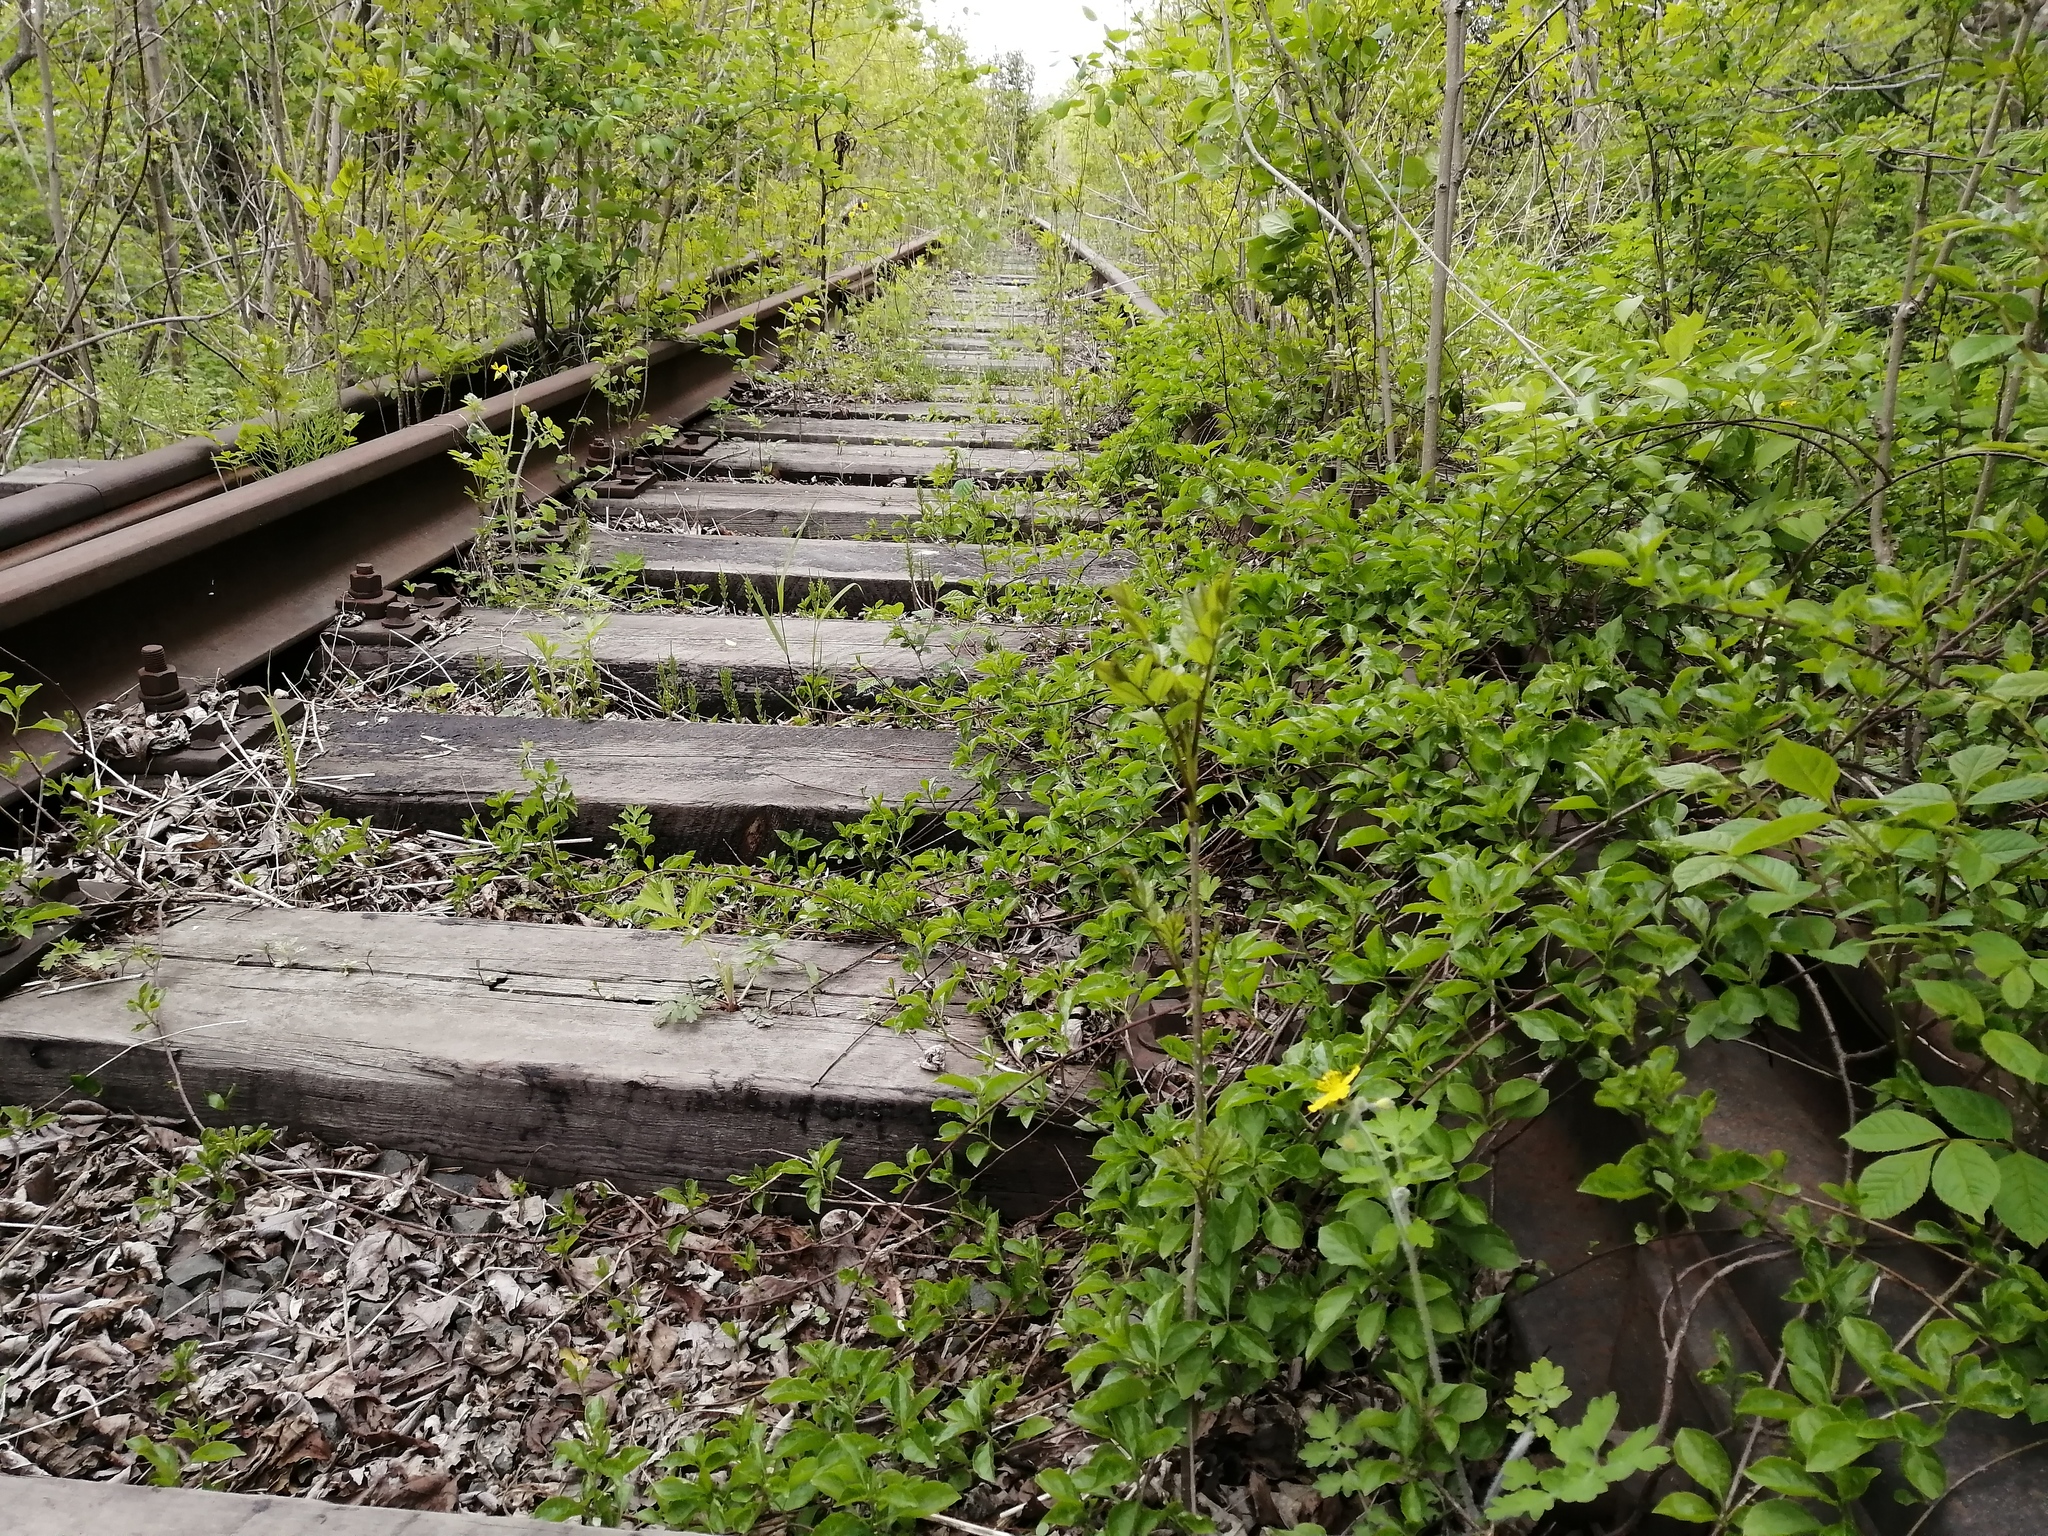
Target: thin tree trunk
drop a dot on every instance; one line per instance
(1915, 290)
(24, 50)
(2008, 407)
(1583, 73)
(150, 49)
(1382, 355)
(1894, 363)
(1448, 153)
(53, 195)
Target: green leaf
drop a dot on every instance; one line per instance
(1974, 1114)
(1605, 559)
(1684, 335)
(2018, 687)
(1343, 1243)
(1520, 1097)
(1614, 1181)
(2022, 1202)
(1698, 871)
(1891, 1130)
(1769, 449)
(1769, 1403)
(1488, 1246)
(1783, 830)
(1965, 1178)
(1332, 1305)
(1975, 351)
(1464, 1403)
(1996, 953)
(1783, 1475)
(1970, 765)
(1233, 1222)
(1892, 1184)
(1834, 1446)
(1802, 769)
(1687, 1506)
(1871, 1346)
(1778, 1517)
(1120, 1393)
(914, 1496)
(1688, 778)
(2017, 1054)
(2016, 987)
(1283, 1225)
(1923, 1470)
(2028, 786)
(1951, 1000)
(1928, 804)
(1704, 1461)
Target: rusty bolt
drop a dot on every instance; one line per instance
(364, 598)
(157, 682)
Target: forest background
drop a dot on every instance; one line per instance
(213, 211)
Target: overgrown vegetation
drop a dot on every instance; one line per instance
(1634, 661)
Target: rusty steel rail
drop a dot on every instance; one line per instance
(119, 492)
(1108, 275)
(228, 581)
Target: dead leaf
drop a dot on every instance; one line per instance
(507, 1290)
(368, 1275)
(429, 1317)
(422, 1490)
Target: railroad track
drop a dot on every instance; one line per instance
(508, 1058)
(227, 578)
(293, 609)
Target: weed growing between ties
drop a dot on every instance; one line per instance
(873, 351)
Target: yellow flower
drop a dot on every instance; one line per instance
(1333, 1087)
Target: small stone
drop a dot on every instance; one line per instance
(391, 1164)
(272, 1272)
(192, 1268)
(172, 1300)
(472, 1221)
(840, 1222)
(463, 1184)
(234, 1301)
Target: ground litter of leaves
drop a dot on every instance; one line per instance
(364, 1328)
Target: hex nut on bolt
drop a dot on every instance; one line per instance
(365, 597)
(157, 683)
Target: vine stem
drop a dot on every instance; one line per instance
(1397, 1204)
(1194, 972)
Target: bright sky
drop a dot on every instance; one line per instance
(1047, 32)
